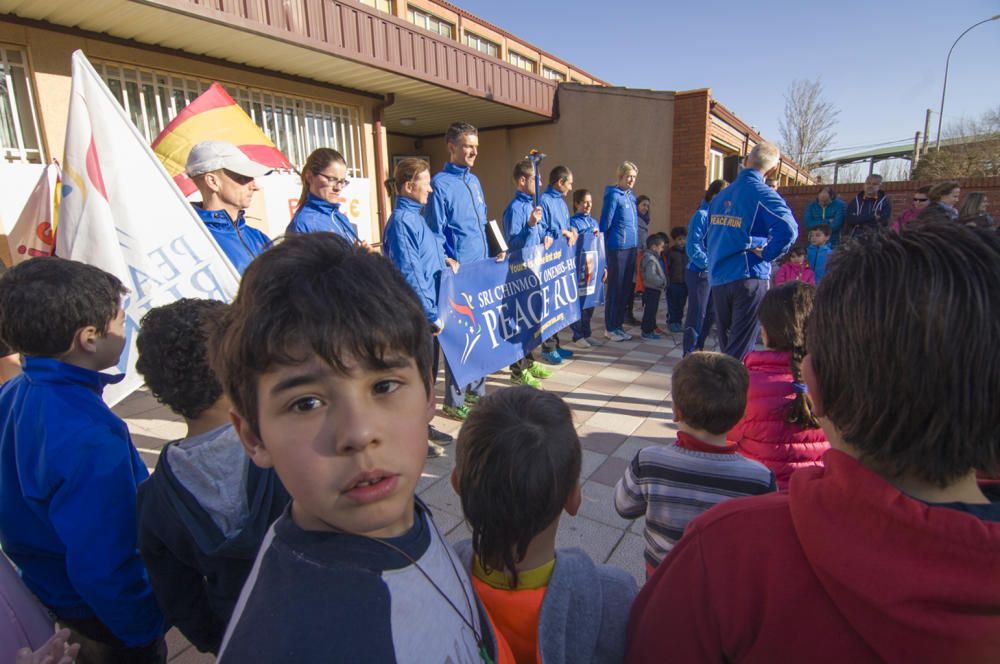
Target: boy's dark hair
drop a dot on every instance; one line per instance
(524, 169)
(783, 314)
(655, 239)
(46, 300)
(677, 232)
(795, 250)
(518, 460)
(314, 292)
(558, 174)
(710, 391)
(173, 354)
(909, 371)
(459, 129)
(579, 195)
(823, 228)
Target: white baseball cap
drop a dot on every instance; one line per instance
(210, 156)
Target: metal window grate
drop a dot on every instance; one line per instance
(296, 125)
(20, 138)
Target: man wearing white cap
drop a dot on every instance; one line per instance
(225, 178)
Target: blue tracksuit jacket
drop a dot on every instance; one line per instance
(318, 216)
(68, 481)
(240, 242)
(456, 212)
(817, 257)
(695, 248)
(745, 215)
(583, 223)
(619, 219)
(412, 247)
(516, 230)
(555, 214)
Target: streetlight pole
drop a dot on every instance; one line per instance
(937, 143)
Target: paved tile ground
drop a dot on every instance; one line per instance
(620, 397)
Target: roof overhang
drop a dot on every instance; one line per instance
(343, 43)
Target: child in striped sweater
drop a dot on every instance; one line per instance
(672, 484)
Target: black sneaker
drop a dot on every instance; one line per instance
(439, 437)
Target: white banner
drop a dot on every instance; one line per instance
(122, 212)
(32, 233)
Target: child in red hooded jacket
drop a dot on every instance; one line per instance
(779, 429)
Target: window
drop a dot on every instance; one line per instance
(521, 62)
(715, 165)
(482, 45)
(387, 6)
(20, 139)
(553, 74)
(296, 125)
(431, 22)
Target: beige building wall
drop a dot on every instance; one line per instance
(49, 53)
(597, 129)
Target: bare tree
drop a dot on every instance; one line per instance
(807, 125)
(973, 151)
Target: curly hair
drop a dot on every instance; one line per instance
(173, 355)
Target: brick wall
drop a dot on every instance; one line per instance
(900, 192)
(690, 154)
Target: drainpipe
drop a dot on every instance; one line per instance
(380, 171)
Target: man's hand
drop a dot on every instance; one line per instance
(453, 264)
(571, 236)
(364, 245)
(536, 216)
(547, 242)
(759, 251)
(501, 256)
(54, 651)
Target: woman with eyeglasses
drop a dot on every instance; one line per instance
(323, 178)
(921, 199)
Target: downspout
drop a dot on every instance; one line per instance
(389, 100)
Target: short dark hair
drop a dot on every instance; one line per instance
(908, 371)
(677, 232)
(795, 250)
(825, 229)
(710, 391)
(524, 169)
(783, 314)
(655, 239)
(173, 354)
(642, 199)
(459, 129)
(579, 195)
(517, 462)
(44, 301)
(558, 174)
(713, 189)
(315, 292)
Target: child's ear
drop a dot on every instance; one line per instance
(86, 339)
(252, 444)
(815, 396)
(454, 481)
(678, 416)
(573, 502)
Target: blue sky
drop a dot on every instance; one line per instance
(882, 63)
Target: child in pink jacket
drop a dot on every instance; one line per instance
(778, 428)
(795, 268)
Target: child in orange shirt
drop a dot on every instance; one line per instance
(517, 469)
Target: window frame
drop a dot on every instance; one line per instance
(553, 74)
(512, 54)
(413, 12)
(19, 151)
(480, 40)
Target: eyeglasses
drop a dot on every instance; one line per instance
(329, 179)
(237, 178)
(920, 200)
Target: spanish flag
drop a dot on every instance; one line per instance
(213, 116)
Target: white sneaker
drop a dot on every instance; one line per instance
(610, 334)
(619, 336)
(582, 344)
(625, 335)
(594, 343)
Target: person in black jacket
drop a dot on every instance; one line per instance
(205, 509)
(869, 210)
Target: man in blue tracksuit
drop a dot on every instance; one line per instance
(700, 312)
(456, 212)
(225, 179)
(749, 225)
(555, 224)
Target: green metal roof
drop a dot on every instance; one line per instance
(903, 150)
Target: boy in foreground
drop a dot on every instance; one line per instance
(671, 485)
(206, 509)
(517, 470)
(889, 552)
(68, 470)
(326, 356)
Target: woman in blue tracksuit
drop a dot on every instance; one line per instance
(323, 178)
(415, 249)
(699, 313)
(620, 225)
(582, 223)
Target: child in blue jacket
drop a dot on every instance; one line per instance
(819, 249)
(68, 470)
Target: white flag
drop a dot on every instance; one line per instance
(32, 233)
(120, 211)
